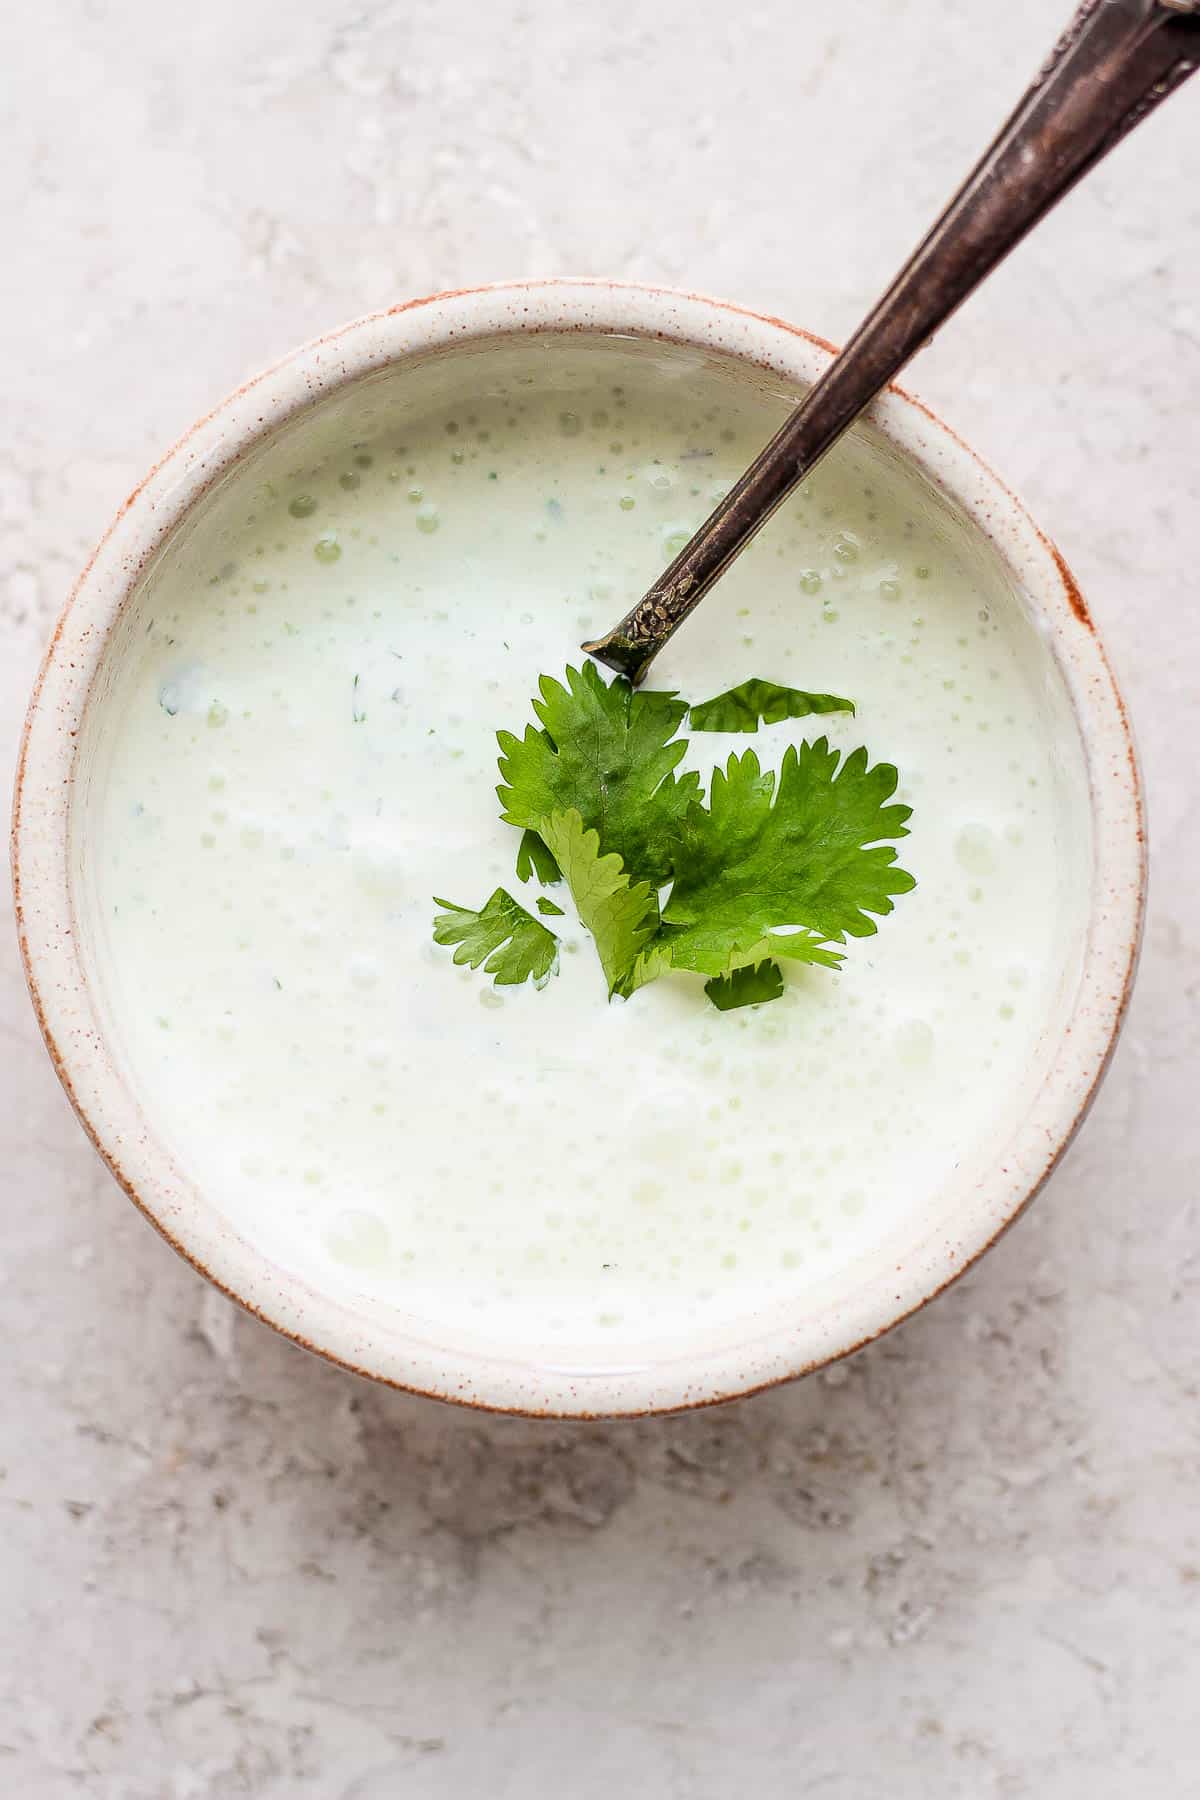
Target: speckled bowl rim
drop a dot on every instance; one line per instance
(694, 1374)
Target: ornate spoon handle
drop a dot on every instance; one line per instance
(1113, 65)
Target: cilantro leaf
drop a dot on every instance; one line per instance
(533, 858)
(622, 915)
(751, 985)
(797, 946)
(741, 708)
(516, 946)
(606, 752)
(771, 866)
(763, 858)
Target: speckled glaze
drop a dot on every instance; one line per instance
(703, 1370)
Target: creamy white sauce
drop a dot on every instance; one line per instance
(300, 753)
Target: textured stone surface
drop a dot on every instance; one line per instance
(966, 1564)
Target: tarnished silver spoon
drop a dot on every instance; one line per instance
(1114, 63)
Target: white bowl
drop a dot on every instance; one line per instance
(770, 1344)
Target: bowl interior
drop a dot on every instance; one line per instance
(523, 1340)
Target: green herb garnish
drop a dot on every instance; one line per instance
(516, 946)
(800, 857)
(533, 858)
(744, 706)
(772, 866)
(622, 915)
(750, 986)
(610, 753)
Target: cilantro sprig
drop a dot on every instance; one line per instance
(801, 854)
(622, 915)
(610, 752)
(510, 943)
(771, 865)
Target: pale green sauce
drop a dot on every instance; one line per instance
(305, 754)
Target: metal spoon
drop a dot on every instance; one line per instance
(1114, 63)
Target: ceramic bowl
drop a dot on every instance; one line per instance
(869, 1295)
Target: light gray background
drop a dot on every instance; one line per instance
(968, 1562)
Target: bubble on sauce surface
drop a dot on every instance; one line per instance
(377, 858)
(358, 1240)
(915, 1043)
(363, 971)
(975, 848)
(186, 689)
